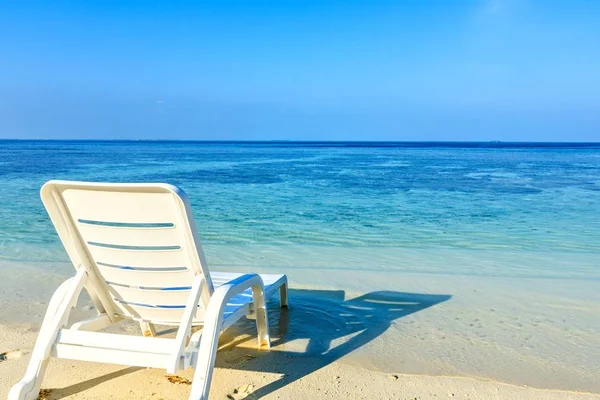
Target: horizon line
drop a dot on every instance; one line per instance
(288, 141)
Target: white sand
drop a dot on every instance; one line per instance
(537, 332)
(243, 372)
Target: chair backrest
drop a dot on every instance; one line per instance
(138, 243)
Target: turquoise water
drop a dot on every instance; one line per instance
(387, 198)
(496, 246)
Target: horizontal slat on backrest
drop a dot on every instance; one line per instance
(145, 278)
(150, 297)
(131, 236)
(120, 206)
(142, 258)
(168, 316)
(158, 315)
(153, 305)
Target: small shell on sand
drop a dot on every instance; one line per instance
(10, 355)
(241, 392)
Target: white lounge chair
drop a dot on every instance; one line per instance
(137, 253)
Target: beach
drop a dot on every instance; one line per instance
(478, 341)
(288, 372)
(414, 273)
(243, 373)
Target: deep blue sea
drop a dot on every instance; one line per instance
(509, 233)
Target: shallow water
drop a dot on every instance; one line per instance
(481, 261)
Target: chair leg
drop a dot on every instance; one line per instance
(213, 322)
(148, 329)
(262, 322)
(56, 317)
(207, 354)
(283, 295)
(28, 388)
(262, 327)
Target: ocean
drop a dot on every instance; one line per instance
(472, 259)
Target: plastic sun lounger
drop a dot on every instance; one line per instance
(136, 251)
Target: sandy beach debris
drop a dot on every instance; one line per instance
(11, 355)
(44, 394)
(241, 392)
(178, 380)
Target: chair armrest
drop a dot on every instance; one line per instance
(213, 322)
(225, 293)
(236, 286)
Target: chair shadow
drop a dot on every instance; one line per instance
(321, 326)
(60, 393)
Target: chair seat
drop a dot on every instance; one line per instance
(241, 303)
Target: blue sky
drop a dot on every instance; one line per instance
(306, 70)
